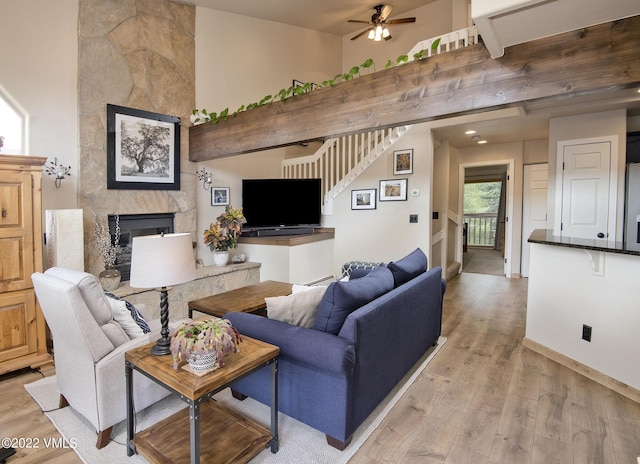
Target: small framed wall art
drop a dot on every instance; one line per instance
(363, 199)
(403, 162)
(393, 190)
(219, 196)
(143, 150)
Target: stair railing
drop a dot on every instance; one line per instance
(340, 160)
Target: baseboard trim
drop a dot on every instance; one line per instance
(589, 372)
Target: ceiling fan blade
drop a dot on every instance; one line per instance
(360, 34)
(357, 21)
(401, 21)
(385, 12)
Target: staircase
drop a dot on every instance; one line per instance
(339, 161)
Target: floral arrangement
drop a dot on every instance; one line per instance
(202, 337)
(223, 234)
(107, 247)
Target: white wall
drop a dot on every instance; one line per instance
(39, 69)
(441, 166)
(239, 59)
(385, 234)
(536, 151)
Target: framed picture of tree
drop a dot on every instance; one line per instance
(143, 150)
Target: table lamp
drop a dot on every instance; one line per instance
(159, 261)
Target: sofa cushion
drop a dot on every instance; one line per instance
(412, 265)
(299, 308)
(342, 298)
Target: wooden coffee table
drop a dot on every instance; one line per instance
(205, 430)
(249, 299)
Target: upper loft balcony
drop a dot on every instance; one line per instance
(592, 60)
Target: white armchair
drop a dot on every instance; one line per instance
(89, 349)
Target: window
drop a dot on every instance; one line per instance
(12, 125)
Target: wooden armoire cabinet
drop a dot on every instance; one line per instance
(23, 339)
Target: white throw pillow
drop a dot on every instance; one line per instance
(299, 308)
(122, 316)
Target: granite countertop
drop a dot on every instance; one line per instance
(546, 237)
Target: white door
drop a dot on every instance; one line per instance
(534, 207)
(585, 190)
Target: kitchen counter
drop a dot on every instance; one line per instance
(582, 308)
(546, 237)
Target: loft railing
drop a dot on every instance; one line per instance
(481, 228)
(451, 41)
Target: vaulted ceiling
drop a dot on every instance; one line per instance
(331, 16)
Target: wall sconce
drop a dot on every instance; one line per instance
(52, 168)
(205, 177)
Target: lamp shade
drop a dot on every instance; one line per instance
(161, 260)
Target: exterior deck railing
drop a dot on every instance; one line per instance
(481, 229)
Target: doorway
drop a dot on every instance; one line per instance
(486, 200)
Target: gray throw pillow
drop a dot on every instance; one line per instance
(299, 308)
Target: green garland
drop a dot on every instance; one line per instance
(204, 116)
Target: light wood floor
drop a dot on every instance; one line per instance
(486, 399)
(483, 399)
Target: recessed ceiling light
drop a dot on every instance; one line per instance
(480, 142)
(471, 132)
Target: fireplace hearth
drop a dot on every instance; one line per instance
(134, 225)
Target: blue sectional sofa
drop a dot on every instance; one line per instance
(332, 382)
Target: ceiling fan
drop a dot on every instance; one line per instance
(378, 23)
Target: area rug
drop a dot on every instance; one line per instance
(299, 443)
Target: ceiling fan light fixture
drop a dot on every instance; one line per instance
(372, 34)
(378, 33)
(385, 33)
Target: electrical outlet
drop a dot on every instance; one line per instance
(586, 332)
(413, 218)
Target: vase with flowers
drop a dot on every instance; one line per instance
(222, 235)
(204, 343)
(107, 249)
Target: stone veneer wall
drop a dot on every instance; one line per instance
(139, 54)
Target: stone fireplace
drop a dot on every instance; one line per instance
(139, 54)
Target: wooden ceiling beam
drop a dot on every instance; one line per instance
(463, 81)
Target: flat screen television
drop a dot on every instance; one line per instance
(281, 203)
